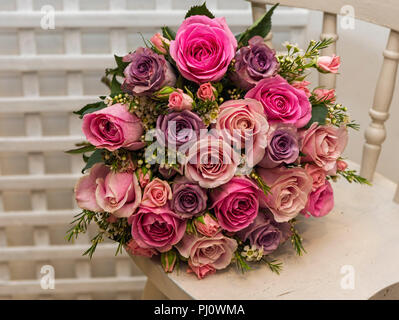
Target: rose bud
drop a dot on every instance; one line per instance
(179, 101)
(329, 63)
(168, 260)
(160, 42)
(206, 92)
(207, 225)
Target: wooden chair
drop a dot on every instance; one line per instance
(353, 252)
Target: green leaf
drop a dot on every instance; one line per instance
(168, 33)
(121, 65)
(319, 114)
(199, 11)
(261, 27)
(86, 148)
(91, 107)
(115, 86)
(96, 157)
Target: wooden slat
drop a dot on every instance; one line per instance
(38, 182)
(29, 218)
(44, 143)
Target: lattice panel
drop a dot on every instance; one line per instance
(44, 76)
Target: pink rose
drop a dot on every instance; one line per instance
(143, 178)
(157, 228)
(243, 124)
(201, 271)
(236, 203)
(302, 85)
(136, 250)
(215, 252)
(112, 128)
(211, 162)
(289, 191)
(341, 165)
(329, 64)
(206, 92)
(159, 42)
(321, 201)
(103, 190)
(318, 175)
(323, 145)
(282, 102)
(324, 94)
(203, 48)
(156, 193)
(210, 228)
(179, 101)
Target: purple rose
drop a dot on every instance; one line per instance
(178, 128)
(188, 198)
(265, 232)
(282, 146)
(147, 72)
(254, 63)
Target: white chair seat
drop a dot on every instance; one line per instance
(362, 232)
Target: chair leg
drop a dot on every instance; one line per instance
(151, 292)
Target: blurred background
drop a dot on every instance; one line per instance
(45, 74)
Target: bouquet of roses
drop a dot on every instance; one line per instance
(209, 146)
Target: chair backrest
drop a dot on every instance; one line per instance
(383, 13)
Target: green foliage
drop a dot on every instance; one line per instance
(83, 149)
(242, 265)
(274, 265)
(95, 157)
(352, 176)
(319, 114)
(118, 71)
(261, 27)
(258, 179)
(201, 10)
(296, 240)
(115, 86)
(168, 33)
(89, 108)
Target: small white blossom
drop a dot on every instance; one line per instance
(252, 253)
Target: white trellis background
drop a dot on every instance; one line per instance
(44, 76)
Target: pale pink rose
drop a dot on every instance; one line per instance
(323, 145)
(321, 201)
(133, 248)
(210, 228)
(103, 190)
(203, 48)
(206, 92)
(243, 124)
(179, 101)
(215, 252)
(302, 85)
(156, 193)
(341, 165)
(112, 128)
(324, 94)
(290, 188)
(201, 271)
(318, 175)
(143, 179)
(329, 63)
(159, 42)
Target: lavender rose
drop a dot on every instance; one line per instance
(283, 146)
(265, 232)
(178, 128)
(254, 63)
(188, 198)
(147, 72)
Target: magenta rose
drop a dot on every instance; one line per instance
(215, 252)
(289, 191)
(243, 124)
(282, 102)
(236, 203)
(103, 190)
(211, 162)
(203, 48)
(157, 228)
(112, 128)
(323, 145)
(157, 193)
(321, 201)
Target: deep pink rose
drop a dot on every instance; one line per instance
(243, 124)
(302, 85)
(282, 102)
(203, 48)
(324, 94)
(159, 42)
(318, 175)
(321, 201)
(179, 101)
(215, 252)
(206, 92)
(290, 188)
(236, 203)
(156, 193)
(201, 271)
(209, 228)
(136, 250)
(329, 63)
(112, 128)
(103, 190)
(157, 228)
(323, 145)
(211, 162)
